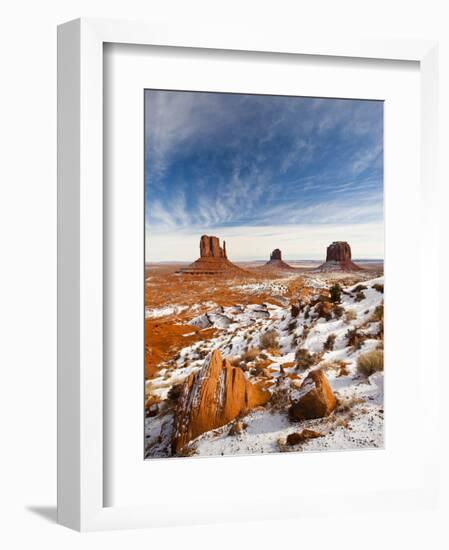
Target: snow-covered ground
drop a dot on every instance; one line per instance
(358, 420)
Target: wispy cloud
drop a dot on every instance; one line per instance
(229, 161)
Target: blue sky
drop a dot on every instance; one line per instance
(262, 172)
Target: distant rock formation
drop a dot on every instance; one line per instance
(210, 247)
(276, 262)
(213, 259)
(213, 397)
(276, 254)
(338, 251)
(338, 258)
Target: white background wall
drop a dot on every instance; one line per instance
(28, 269)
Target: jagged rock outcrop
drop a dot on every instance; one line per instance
(213, 259)
(213, 397)
(338, 258)
(276, 262)
(315, 400)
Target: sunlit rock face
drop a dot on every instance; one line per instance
(338, 258)
(213, 397)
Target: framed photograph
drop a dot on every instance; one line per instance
(237, 268)
(272, 339)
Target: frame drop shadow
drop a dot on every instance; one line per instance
(47, 512)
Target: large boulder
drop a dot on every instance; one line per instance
(213, 397)
(315, 398)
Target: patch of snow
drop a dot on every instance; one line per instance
(157, 312)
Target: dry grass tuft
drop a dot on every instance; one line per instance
(378, 314)
(250, 355)
(329, 343)
(370, 362)
(350, 315)
(269, 340)
(355, 338)
(305, 359)
(338, 311)
(359, 288)
(346, 404)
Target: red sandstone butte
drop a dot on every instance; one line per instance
(213, 259)
(338, 258)
(276, 262)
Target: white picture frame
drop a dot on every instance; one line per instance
(81, 475)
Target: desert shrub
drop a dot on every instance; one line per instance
(350, 315)
(359, 296)
(175, 392)
(329, 365)
(370, 362)
(235, 361)
(305, 332)
(329, 343)
(269, 340)
(379, 287)
(257, 371)
(359, 288)
(378, 314)
(305, 359)
(249, 355)
(338, 311)
(355, 338)
(280, 397)
(294, 310)
(345, 404)
(335, 292)
(324, 309)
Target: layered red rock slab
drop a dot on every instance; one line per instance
(338, 258)
(213, 259)
(212, 397)
(316, 398)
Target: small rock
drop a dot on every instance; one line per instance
(152, 410)
(295, 438)
(237, 428)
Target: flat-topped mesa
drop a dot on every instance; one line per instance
(338, 251)
(338, 258)
(210, 247)
(213, 260)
